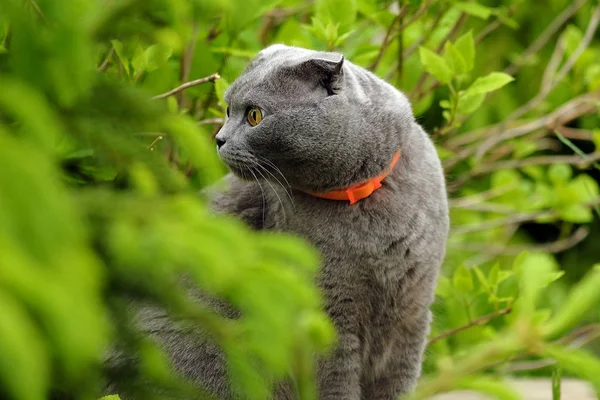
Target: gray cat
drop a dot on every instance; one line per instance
(306, 123)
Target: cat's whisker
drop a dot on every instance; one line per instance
(288, 193)
(262, 191)
(274, 191)
(269, 163)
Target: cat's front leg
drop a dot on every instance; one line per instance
(338, 375)
(339, 372)
(412, 319)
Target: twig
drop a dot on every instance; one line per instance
(467, 201)
(550, 30)
(541, 160)
(479, 321)
(552, 247)
(106, 61)
(574, 340)
(500, 222)
(417, 92)
(574, 133)
(488, 29)
(158, 139)
(423, 39)
(388, 38)
(587, 38)
(186, 62)
(567, 112)
(553, 64)
(186, 85)
(493, 26)
(211, 121)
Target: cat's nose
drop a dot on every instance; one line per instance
(220, 143)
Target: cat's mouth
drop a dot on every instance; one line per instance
(239, 168)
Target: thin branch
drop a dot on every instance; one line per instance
(575, 134)
(585, 42)
(553, 247)
(417, 92)
(553, 64)
(500, 222)
(387, 40)
(550, 30)
(106, 61)
(423, 39)
(467, 201)
(493, 26)
(489, 208)
(186, 62)
(477, 322)
(574, 340)
(541, 160)
(567, 112)
(186, 85)
(211, 121)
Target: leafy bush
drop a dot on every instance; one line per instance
(101, 161)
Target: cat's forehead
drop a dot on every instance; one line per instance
(262, 71)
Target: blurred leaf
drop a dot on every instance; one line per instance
(577, 362)
(559, 173)
(582, 297)
(489, 83)
(463, 280)
(474, 9)
(489, 386)
(454, 59)
(465, 45)
(435, 65)
(118, 46)
(338, 12)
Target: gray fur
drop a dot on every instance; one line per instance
(330, 124)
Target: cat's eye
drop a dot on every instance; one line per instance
(254, 115)
(228, 111)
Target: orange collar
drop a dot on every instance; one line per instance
(360, 191)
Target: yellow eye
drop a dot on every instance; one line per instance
(254, 116)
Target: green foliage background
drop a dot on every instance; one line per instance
(99, 185)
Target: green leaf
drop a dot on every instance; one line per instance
(482, 279)
(559, 173)
(469, 103)
(465, 45)
(576, 361)
(582, 297)
(118, 46)
(494, 275)
(489, 386)
(536, 271)
(474, 9)
(435, 65)
(444, 287)
(463, 280)
(596, 139)
(139, 62)
(572, 37)
(221, 86)
(489, 83)
(454, 59)
(576, 213)
(111, 397)
(156, 56)
(339, 12)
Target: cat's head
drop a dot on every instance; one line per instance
(320, 121)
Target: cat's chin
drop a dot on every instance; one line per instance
(242, 173)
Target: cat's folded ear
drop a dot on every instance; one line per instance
(328, 74)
